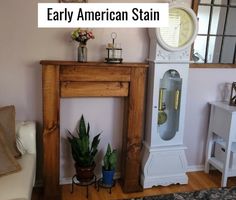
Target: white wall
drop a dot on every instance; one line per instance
(23, 45)
(205, 85)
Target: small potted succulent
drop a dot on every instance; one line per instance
(109, 165)
(83, 152)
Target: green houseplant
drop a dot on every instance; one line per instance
(83, 152)
(109, 165)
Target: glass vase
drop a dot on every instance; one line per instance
(82, 53)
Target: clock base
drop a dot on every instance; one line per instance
(164, 166)
(164, 181)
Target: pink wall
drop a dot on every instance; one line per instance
(205, 85)
(23, 45)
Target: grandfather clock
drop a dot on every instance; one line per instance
(164, 161)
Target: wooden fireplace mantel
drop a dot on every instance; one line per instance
(73, 79)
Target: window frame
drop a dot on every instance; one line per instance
(195, 4)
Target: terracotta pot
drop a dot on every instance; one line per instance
(84, 174)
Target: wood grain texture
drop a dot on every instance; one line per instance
(195, 6)
(91, 79)
(197, 181)
(212, 65)
(94, 89)
(51, 136)
(92, 64)
(84, 73)
(135, 117)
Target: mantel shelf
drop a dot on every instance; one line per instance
(93, 64)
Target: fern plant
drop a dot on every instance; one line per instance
(82, 152)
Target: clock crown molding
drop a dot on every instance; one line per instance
(158, 54)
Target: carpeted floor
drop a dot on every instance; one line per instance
(210, 194)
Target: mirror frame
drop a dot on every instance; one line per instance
(207, 65)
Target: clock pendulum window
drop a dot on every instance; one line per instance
(164, 161)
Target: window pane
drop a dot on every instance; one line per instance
(205, 1)
(221, 2)
(214, 49)
(203, 15)
(233, 2)
(199, 49)
(228, 50)
(231, 22)
(217, 20)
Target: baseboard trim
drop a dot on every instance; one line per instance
(195, 168)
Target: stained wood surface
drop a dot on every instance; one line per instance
(84, 73)
(212, 65)
(94, 89)
(195, 6)
(73, 79)
(197, 181)
(92, 64)
(135, 117)
(51, 136)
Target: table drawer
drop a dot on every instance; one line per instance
(221, 122)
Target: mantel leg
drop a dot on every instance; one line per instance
(51, 136)
(133, 131)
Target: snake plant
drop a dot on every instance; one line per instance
(110, 159)
(83, 152)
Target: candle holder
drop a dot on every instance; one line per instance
(114, 54)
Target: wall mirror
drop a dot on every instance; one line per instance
(216, 40)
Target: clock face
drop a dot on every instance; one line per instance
(180, 30)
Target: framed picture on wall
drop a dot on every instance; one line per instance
(73, 1)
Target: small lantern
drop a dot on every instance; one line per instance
(232, 101)
(114, 54)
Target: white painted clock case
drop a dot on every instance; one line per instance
(164, 161)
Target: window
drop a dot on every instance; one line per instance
(216, 40)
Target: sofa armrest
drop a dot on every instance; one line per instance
(26, 136)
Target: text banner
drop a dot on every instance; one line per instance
(102, 15)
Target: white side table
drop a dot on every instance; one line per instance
(222, 129)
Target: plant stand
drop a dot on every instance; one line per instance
(101, 184)
(84, 184)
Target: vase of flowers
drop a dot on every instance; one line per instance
(82, 36)
(82, 53)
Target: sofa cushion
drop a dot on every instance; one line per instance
(19, 185)
(8, 163)
(26, 136)
(7, 121)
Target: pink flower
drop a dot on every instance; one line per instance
(82, 35)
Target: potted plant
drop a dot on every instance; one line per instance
(109, 165)
(82, 36)
(83, 152)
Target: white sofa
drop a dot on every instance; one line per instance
(18, 186)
